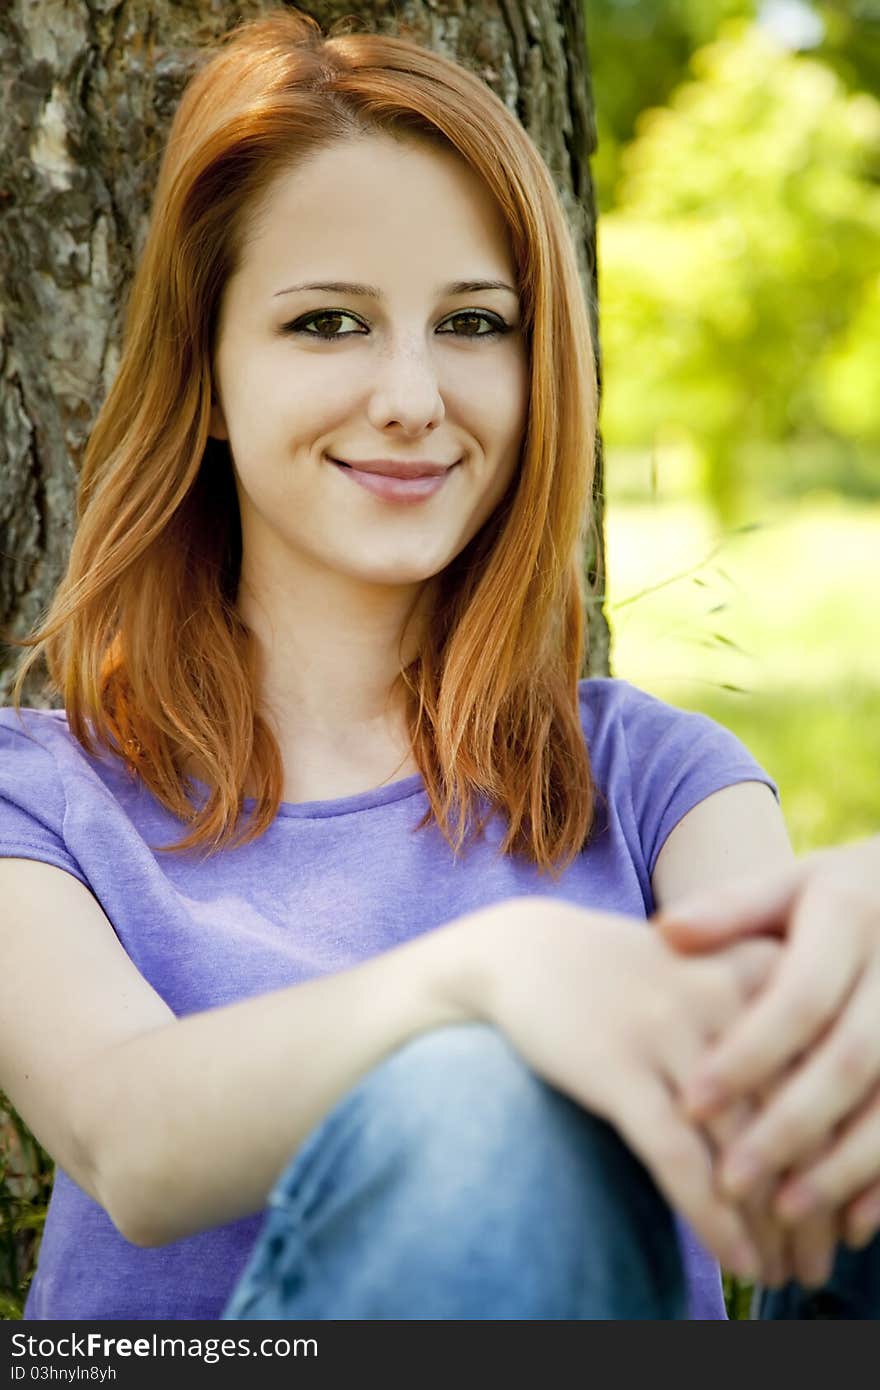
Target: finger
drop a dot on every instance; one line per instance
(807, 990)
(724, 982)
(754, 964)
(861, 1220)
(734, 909)
(721, 984)
(680, 1161)
(834, 1079)
(812, 1242)
(728, 979)
(766, 1231)
(813, 1246)
(851, 1164)
(781, 1266)
(770, 1234)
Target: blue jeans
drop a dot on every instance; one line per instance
(454, 1183)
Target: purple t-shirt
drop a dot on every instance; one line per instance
(328, 885)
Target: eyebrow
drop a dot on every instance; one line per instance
(371, 292)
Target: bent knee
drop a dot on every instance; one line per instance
(463, 1087)
(458, 1067)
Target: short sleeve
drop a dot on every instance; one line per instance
(677, 759)
(32, 798)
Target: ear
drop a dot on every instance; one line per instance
(217, 423)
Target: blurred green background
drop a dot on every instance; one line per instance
(738, 181)
(738, 185)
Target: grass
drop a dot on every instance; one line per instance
(772, 631)
(26, 1173)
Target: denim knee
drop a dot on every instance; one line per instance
(452, 1177)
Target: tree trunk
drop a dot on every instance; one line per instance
(88, 91)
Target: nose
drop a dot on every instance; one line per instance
(406, 390)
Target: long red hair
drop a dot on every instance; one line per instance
(143, 641)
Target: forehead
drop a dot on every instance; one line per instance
(380, 202)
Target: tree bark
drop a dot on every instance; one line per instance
(88, 91)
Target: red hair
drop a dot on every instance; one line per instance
(142, 639)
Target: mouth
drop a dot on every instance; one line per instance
(415, 487)
(391, 468)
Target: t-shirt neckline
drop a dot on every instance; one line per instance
(340, 805)
(367, 800)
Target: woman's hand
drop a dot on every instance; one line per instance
(602, 1009)
(811, 1042)
(769, 1235)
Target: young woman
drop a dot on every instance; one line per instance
(326, 888)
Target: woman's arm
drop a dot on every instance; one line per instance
(732, 835)
(176, 1125)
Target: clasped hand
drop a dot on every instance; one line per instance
(789, 1094)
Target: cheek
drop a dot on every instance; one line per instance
(270, 409)
(511, 419)
(499, 399)
(502, 479)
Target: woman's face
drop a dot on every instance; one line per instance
(412, 373)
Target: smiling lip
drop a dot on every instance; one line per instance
(391, 469)
(414, 487)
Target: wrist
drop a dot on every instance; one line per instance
(469, 959)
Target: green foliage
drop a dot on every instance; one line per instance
(26, 1173)
(739, 282)
(737, 1297)
(851, 43)
(756, 629)
(817, 743)
(639, 52)
(846, 378)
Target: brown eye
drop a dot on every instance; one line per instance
(322, 315)
(496, 326)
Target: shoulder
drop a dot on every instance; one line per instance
(28, 742)
(38, 744)
(47, 728)
(43, 772)
(606, 700)
(615, 712)
(42, 740)
(27, 720)
(655, 762)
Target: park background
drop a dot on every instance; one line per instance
(738, 184)
(737, 178)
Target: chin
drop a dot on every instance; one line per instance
(404, 574)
